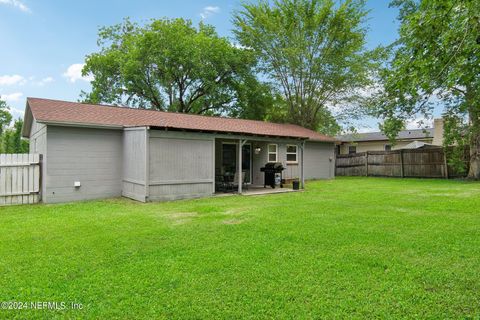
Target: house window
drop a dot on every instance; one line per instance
(272, 153)
(352, 149)
(291, 153)
(388, 147)
(339, 148)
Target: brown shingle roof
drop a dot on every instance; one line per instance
(55, 111)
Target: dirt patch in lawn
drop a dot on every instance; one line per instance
(181, 217)
(234, 211)
(233, 221)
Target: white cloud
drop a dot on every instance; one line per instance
(74, 73)
(209, 11)
(12, 97)
(17, 113)
(14, 79)
(17, 4)
(17, 80)
(44, 81)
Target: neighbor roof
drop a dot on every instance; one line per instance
(74, 113)
(378, 136)
(419, 145)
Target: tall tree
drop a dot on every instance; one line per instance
(256, 100)
(168, 65)
(5, 116)
(436, 61)
(313, 50)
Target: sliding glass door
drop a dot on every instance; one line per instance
(230, 159)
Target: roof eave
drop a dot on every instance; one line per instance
(325, 141)
(229, 132)
(80, 124)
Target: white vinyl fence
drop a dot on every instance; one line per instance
(19, 178)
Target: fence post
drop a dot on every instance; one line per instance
(402, 172)
(366, 163)
(445, 163)
(40, 181)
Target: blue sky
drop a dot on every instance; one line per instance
(44, 42)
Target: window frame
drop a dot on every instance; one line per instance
(295, 153)
(387, 145)
(269, 153)
(350, 152)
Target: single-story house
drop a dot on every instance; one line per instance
(377, 141)
(97, 151)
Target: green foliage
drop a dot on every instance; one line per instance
(255, 100)
(391, 126)
(436, 61)
(453, 125)
(171, 65)
(11, 140)
(5, 116)
(312, 50)
(349, 248)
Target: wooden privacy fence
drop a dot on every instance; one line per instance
(19, 178)
(418, 163)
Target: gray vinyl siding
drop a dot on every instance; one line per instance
(38, 144)
(91, 156)
(292, 170)
(38, 138)
(258, 161)
(134, 164)
(319, 160)
(181, 165)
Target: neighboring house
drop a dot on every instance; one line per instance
(92, 151)
(377, 141)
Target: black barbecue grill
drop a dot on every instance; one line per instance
(272, 170)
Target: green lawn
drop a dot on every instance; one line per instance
(352, 247)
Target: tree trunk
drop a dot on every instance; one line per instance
(474, 114)
(474, 172)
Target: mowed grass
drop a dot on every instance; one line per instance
(346, 248)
